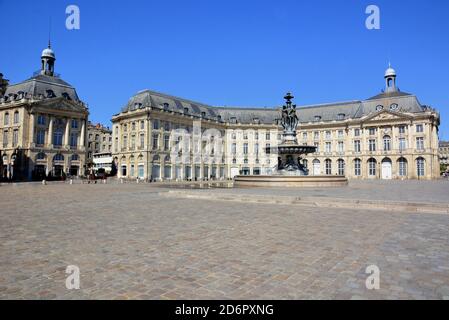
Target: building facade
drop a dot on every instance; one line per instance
(99, 140)
(388, 136)
(42, 127)
(444, 153)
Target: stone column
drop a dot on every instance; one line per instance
(31, 133)
(66, 134)
(50, 131)
(83, 133)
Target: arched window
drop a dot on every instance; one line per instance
(341, 167)
(156, 158)
(372, 163)
(16, 117)
(58, 157)
(420, 167)
(402, 164)
(6, 119)
(40, 156)
(328, 166)
(357, 167)
(387, 143)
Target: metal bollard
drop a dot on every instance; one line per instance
(71, 181)
(44, 182)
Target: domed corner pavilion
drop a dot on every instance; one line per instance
(290, 170)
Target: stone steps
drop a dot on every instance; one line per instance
(323, 202)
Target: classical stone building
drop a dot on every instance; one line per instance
(42, 126)
(444, 153)
(388, 136)
(99, 140)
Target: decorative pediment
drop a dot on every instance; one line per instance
(386, 115)
(61, 104)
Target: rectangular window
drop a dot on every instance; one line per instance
(357, 132)
(420, 143)
(156, 124)
(256, 148)
(340, 134)
(357, 145)
(142, 141)
(125, 143)
(6, 119)
(73, 140)
(142, 125)
(15, 138)
(131, 172)
(328, 135)
(233, 148)
(267, 136)
(41, 120)
(328, 147)
(419, 128)
(16, 117)
(155, 141)
(74, 124)
(5, 138)
(133, 142)
(372, 145)
(316, 135)
(256, 135)
(245, 148)
(267, 148)
(372, 131)
(40, 137)
(402, 144)
(167, 126)
(317, 146)
(341, 147)
(166, 142)
(401, 129)
(304, 136)
(245, 136)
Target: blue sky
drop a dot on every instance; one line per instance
(235, 53)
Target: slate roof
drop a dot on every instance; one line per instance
(325, 112)
(40, 85)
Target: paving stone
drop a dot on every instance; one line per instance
(131, 243)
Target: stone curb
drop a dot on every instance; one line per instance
(410, 207)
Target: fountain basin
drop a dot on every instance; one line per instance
(283, 181)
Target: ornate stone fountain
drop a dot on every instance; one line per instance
(290, 171)
(289, 151)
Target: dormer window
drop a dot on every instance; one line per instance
(166, 105)
(256, 120)
(50, 93)
(186, 110)
(218, 118)
(394, 106)
(317, 118)
(379, 107)
(341, 116)
(20, 95)
(66, 96)
(203, 114)
(233, 120)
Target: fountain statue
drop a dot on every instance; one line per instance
(290, 151)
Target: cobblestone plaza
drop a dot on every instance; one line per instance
(132, 242)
